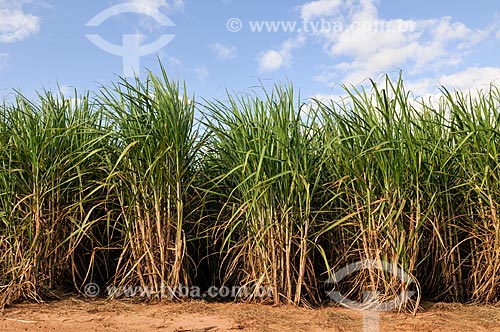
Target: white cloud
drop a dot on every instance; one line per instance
(471, 79)
(4, 57)
(366, 45)
(224, 52)
(319, 8)
(174, 62)
(152, 7)
(370, 45)
(148, 6)
(68, 91)
(16, 25)
(329, 98)
(201, 72)
(272, 60)
(424, 88)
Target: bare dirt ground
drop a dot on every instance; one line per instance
(77, 315)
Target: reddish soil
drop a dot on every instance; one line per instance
(76, 315)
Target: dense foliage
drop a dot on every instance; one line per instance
(141, 185)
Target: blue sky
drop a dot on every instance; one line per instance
(318, 45)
